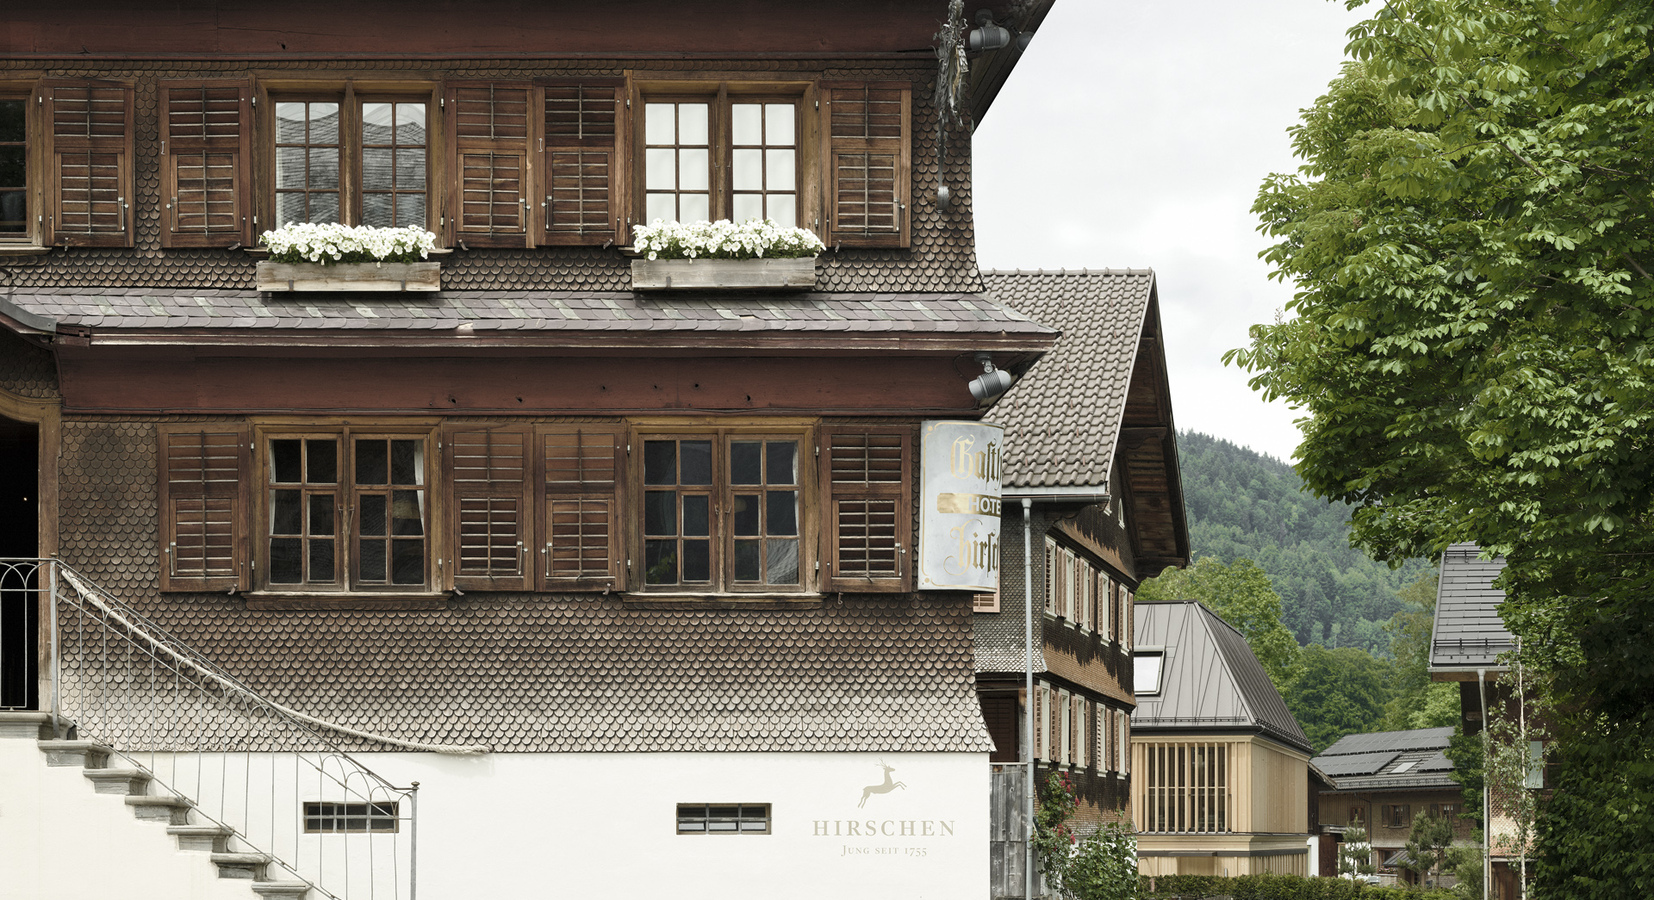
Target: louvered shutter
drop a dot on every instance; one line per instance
(1128, 619)
(206, 140)
(90, 157)
(867, 518)
(490, 125)
(490, 472)
(203, 470)
(866, 160)
(1039, 721)
(1050, 577)
(581, 548)
(581, 164)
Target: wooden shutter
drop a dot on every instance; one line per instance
(203, 504)
(867, 518)
(866, 159)
(490, 471)
(987, 602)
(582, 497)
(1050, 577)
(490, 125)
(582, 162)
(1128, 620)
(89, 129)
(1037, 706)
(206, 141)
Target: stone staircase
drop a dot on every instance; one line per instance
(212, 840)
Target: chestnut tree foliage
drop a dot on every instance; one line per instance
(1472, 340)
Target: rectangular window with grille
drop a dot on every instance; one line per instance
(723, 818)
(351, 818)
(352, 159)
(1185, 789)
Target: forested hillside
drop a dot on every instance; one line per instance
(1244, 504)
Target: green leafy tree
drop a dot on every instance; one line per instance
(1418, 702)
(1341, 691)
(1355, 855)
(1427, 843)
(1240, 593)
(1472, 345)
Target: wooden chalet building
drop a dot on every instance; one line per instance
(619, 582)
(1092, 486)
(1470, 645)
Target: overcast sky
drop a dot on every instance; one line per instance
(1135, 135)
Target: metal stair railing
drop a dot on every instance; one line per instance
(270, 773)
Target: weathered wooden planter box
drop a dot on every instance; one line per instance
(724, 274)
(415, 276)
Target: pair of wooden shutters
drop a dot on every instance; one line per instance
(537, 164)
(532, 508)
(89, 134)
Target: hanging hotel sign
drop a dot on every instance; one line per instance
(959, 508)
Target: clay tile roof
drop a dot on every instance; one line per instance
(1062, 420)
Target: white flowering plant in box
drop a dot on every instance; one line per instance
(723, 239)
(334, 243)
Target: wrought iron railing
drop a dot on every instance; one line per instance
(273, 775)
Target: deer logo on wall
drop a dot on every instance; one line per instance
(885, 788)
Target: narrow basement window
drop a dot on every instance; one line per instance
(350, 818)
(711, 818)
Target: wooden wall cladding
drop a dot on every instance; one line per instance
(100, 382)
(438, 28)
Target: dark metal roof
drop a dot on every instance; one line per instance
(255, 316)
(1211, 680)
(1468, 630)
(1389, 760)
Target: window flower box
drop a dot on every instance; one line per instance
(756, 255)
(724, 274)
(361, 276)
(332, 257)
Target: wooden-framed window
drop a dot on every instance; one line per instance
(1398, 815)
(1358, 815)
(89, 133)
(206, 142)
(17, 220)
(357, 159)
(722, 511)
(347, 508)
(723, 151)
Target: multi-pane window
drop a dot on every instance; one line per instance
(14, 167)
(1358, 815)
(351, 818)
(721, 512)
(346, 510)
(381, 144)
(1398, 815)
(723, 818)
(707, 159)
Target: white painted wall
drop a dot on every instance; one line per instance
(604, 825)
(594, 824)
(60, 839)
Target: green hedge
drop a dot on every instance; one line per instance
(1279, 887)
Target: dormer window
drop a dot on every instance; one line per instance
(1148, 667)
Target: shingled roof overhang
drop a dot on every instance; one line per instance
(596, 322)
(1100, 398)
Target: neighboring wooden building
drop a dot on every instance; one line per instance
(652, 551)
(1220, 768)
(1384, 780)
(1471, 646)
(1092, 484)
